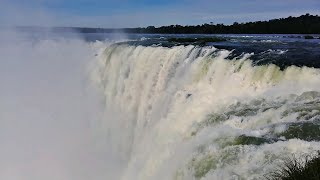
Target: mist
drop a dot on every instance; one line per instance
(50, 113)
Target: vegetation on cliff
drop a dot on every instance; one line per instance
(307, 168)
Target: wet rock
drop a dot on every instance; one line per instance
(308, 37)
(308, 96)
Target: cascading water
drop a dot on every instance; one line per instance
(189, 112)
(180, 112)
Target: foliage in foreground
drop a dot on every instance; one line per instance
(307, 168)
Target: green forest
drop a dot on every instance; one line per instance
(305, 24)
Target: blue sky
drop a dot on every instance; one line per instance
(136, 13)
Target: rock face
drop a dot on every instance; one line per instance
(308, 37)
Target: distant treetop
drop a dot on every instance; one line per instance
(305, 24)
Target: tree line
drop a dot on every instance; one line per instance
(305, 24)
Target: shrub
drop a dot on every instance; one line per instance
(307, 168)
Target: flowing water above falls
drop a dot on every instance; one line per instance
(188, 112)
